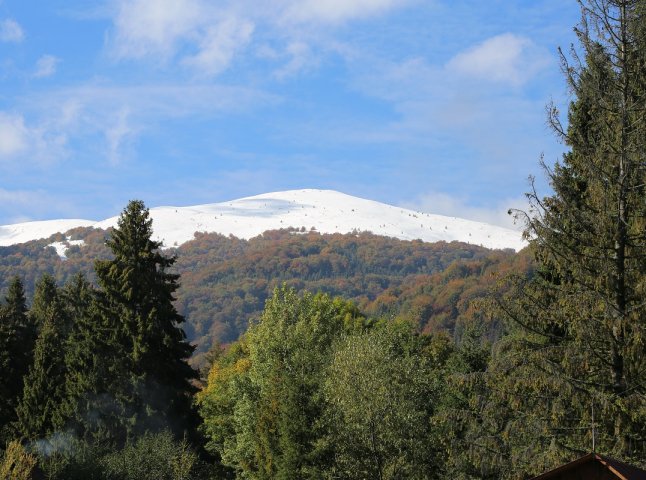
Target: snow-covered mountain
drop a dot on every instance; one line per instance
(326, 211)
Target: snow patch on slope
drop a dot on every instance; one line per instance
(61, 247)
(25, 232)
(326, 211)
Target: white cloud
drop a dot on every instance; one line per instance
(118, 135)
(334, 11)
(13, 135)
(17, 197)
(207, 35)
(452, 206)
(219, 44)
(112, 119)
(200, 35)
(507, 58)
(37, 142)
(301, 58)
(46, 66)
(37, 202)
(153, 27)
(83, 103)
(11, 31)
(439, 106)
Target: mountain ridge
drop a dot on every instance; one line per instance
(324, 211)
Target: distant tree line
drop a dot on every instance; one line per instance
(226, 280)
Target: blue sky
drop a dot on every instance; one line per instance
(432, 104)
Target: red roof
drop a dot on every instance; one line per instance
(613, 469)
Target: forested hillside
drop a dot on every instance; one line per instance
(96, 382)
(225, 281)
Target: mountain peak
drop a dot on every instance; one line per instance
(325, 211)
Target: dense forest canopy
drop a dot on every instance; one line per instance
(225, 281)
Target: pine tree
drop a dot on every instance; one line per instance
(137, 293)
(582, 318)
(38, 410)
(16, 350)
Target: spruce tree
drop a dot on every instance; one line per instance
(137, 300)
(6, 397)
(94, 368)
(45, 293)
(581, 320)
(38, 410)
(16, 350)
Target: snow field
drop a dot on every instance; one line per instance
(326, 211)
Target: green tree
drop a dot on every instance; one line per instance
(226, 383)
(16, 349)
(469, 422)
(581, 320)
(94, 366)
(380, 398)
(38, 410)
(137, 303)
(263, 405)
(45, 294)
(152, 457)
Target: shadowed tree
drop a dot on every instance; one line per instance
(17, 336)
(38, 411)
(137, 301)
(95, 368)
(580, 322)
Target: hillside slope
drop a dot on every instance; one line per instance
(226, 280)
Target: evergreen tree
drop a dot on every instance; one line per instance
(7, 333)
(582, 318)
(45, 293)
(94, 367)
(16, 350)
(470, 422)
(38, 411)
(137, 302)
